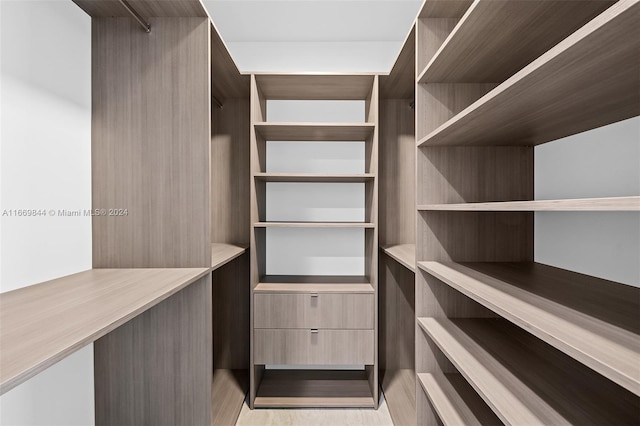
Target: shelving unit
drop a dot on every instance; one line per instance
(310, 321)
(497, 332)
(397, 236)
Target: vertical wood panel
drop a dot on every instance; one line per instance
(230, 172)
(231, 296)
(156, 369)
(397, 172)
(150, 142)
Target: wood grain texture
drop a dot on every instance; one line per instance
(315, 131)
(397, 173)
(589, 81)
(405, 254)
(321, 311)
(599, 327)
(525, 381)
(438, 102)
(455, 401)
(314, 388)
(400, 83)
(474, 174)
(430, 34)
(230, 216)
(304, 347)
(314, 225)
(476, 52)
(222, 254)
(156, 368)
(315, 177)
(315, 87)
(578, 204)
(39, 324)
(228, 389)
(231, 323)
(150, 143)
(399, 392)
(146, 8)
(443, 8)
(226, 81)
(320, 284)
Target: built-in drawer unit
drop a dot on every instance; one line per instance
(312, 346)
(315, 310)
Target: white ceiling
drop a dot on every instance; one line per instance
(312, 20)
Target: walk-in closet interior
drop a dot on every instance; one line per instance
(199, 302)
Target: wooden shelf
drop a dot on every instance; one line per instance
(444, 8)
(315, 86)
(222, 253)
(589, 79)
(313, 225)
(580, 204)
(228, 390)
(326, 132)
(405, 254)
(524, 380)
(313, 284)
(592, 320)
(455, 401)
(146, 8)
(314, 388)
(475, 52)
(43, 323)
(399, 387)
(320, 178)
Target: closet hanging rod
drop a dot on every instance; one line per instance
(145, 25)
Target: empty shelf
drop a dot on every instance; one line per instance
(357, 132)
(307, 177)
(590, 80)
(405, 254)
(43, 323)
(314, 388)
(399, 387)
(455, 401)
(580, 204)
(313, 284)
(525, 381)
(592, 320)
(222, 253)
(228, 391)
(313, 225)
(476, 52)
(315, 87)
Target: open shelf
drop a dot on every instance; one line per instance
(590, 80)
(228, 389)
(579, 204)
(475, 52)
(222, 253)
(44, 323)
(328, 132)
(314, 388)
(315, 86)
(524, 380)
(312, 177)
(313, 225)
(455, 401)
(314, 284)
(592, 320)
(405, 254)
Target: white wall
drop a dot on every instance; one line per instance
(603, 162)
(45, 100)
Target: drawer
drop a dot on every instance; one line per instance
(308, 347)
(307, 310)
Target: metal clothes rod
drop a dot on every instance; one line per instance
(145, 25)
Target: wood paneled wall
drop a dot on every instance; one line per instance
(150, 142)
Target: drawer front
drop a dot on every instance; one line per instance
(324, 310)
(297, 346)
